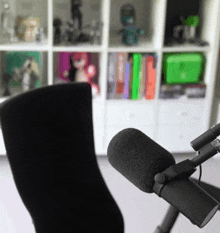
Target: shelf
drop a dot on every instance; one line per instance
(152, 16)
(79, 48)
(115, 44)
(25, 47)
(185, 48)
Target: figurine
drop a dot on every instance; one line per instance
(39, 37)
(81, 71)
(7, 21)
(32, 25)
(186, 32)
(95, 32)
(71, 34)
(57, 23)
(130, 31)
(76, 17)
(76, 14)
(6, 78)
(27, 74)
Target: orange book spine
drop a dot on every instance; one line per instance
(150, 78)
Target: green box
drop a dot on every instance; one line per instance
(181, 68)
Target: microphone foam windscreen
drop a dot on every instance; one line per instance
(138, 157)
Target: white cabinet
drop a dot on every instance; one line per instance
(173, 123)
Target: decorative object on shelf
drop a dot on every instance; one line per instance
(57, 23)
(76, 14)
(71, 34)
(24, 67)
(19, 27)
(80, 70)
(182, 91)
(7, 24)
(39, 36)
(187, 32)
(32, 24)
(130, 31)
(27, 74)
(6, 78)
(95, 32)
(182, 68)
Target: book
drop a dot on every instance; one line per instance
(120, 75)
(131, 62)
(111, 75)
(142, 78)
(150, 77)
(136, 76)
(127, 79)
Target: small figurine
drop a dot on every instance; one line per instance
(130, 31)
(27, 74)
(71, 34)
(95, 32)
(6, 78)
(76, 14)
(57, 23)
(32, 25)
(39, 37)
(186, 32)
(81, 71)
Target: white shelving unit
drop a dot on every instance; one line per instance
(171, 123)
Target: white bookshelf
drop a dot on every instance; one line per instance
(171, 123)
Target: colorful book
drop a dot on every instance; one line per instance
(127, 79)
(131, 61)
(111, 75)
(120, 75)
(150, 77)
(142, 78)
(136, 76)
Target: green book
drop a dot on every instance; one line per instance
(135, 95)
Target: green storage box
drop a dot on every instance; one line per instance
(181, 68)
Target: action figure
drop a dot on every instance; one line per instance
(57, 23)
(6, 78)
(76, 14)
(27, 74)
(130, 31)
(83, 72)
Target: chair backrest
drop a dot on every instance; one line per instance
(48, 135)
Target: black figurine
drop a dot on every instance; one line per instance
(57, 23)
(6, 78)
(76, 13)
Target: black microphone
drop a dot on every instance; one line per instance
(140, 160)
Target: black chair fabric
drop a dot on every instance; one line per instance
(48, 135)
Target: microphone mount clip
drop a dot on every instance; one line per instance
(183, 169)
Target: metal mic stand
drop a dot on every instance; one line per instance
(206, 148)
(168, 221)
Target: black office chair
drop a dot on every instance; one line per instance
(48, 135)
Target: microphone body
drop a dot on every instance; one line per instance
(190, 200)
(127, 153)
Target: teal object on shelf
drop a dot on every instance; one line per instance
(183, 68)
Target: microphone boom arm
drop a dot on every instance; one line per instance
(206, 146)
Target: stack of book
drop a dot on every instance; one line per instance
(131, 76)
